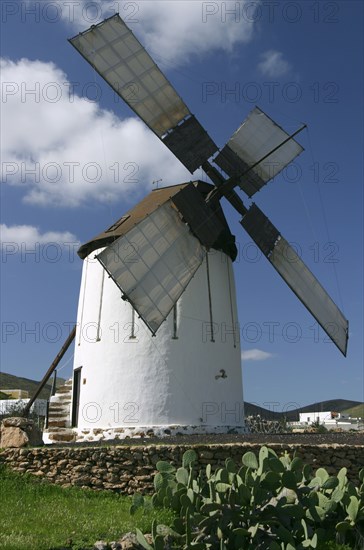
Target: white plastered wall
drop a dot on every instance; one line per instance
(160, 381)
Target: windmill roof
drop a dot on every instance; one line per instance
(145, 207)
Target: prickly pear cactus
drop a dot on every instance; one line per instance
(267, 502)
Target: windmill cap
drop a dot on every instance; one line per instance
(224, 240)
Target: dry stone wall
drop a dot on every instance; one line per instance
(130, 468)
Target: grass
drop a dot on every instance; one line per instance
(356, 412)
(3, 395)
(36, 515)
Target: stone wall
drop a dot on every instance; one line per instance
(130, 468)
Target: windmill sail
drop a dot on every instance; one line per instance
(259, 137)
(153, 263)
(155, 258)
(118, 56)
(297, 276)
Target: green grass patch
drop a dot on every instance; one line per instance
(36, 515)
(356, 412)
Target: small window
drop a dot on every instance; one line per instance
(117, 224)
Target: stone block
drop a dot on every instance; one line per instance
(19, 432)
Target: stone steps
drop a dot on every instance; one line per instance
(63, 389)
(59, 401)
(59, 430)
(61, 435)
(56, 423)
(57, 416)
(59, 409)
(58, 406)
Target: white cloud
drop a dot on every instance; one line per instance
(273, 64)
(177, 29)
(64, 149)
(173, 29)
(29, 235)
(255, 355)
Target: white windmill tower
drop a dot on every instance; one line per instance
(157, 346)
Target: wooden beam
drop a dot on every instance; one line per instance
(49, 372)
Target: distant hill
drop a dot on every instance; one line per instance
(338, 405)
(11, 382)
(251, 409)
(356, 412)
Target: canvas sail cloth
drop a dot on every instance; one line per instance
(117, 55)
(259, 137)
(153, 263)
(297, 276)
(311, 293)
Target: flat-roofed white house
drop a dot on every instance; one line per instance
(323, 417)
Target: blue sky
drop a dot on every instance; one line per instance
(74, 159)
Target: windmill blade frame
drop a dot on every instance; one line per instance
(297, 276)
(165, 257)
(153, 259)
(256, 152)
(121, 60)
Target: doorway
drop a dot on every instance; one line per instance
(76, 396)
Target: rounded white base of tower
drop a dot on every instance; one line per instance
(84, 435)
(186, 379)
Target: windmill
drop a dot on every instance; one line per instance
(157, 287)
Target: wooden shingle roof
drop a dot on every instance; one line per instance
(145, 207)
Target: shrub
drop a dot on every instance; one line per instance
(319, 428)
(335, 546)
(268, 502)
(17, 409)
(255, 424)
